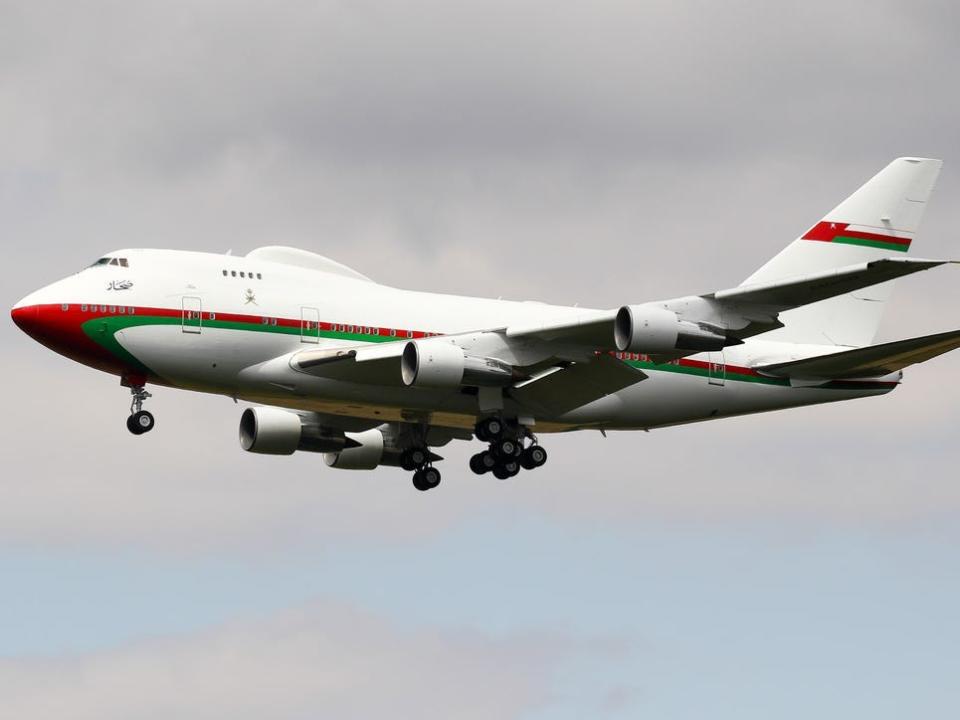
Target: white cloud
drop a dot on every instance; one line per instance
(324, 660)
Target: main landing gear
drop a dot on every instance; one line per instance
(507, 452)
(140, 421)
(425, 475)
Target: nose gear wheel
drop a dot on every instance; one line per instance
(140, 421)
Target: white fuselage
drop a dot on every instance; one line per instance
(191, 321)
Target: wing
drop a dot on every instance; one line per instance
(562, 354)
(867, 362)
(708, 322)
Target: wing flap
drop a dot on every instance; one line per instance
(867, 362)
(371, 364)
(563, 390)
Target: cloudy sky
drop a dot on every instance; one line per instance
(793, 565)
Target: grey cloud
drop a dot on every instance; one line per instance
(595, 154)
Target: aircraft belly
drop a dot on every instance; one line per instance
(215, 359)
(209, 360)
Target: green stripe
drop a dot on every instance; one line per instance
(871, 243)
(703, 372)
(102, 331)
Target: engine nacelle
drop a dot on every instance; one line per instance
(441, 364)
(652, 330)
(272, 431)
(367, 453)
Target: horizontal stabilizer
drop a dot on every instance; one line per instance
(867, 362)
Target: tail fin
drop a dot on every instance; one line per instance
(878, 220)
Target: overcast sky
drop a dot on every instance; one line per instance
(789, 565)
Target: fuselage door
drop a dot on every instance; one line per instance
(716, 368)
(309, 325)
(192, 314)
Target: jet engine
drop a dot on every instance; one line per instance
(652, 330)
(441, 364)
(273, 431)
(367, 452)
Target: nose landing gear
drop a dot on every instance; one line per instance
(140, 421)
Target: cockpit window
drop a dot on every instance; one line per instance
(122, 262)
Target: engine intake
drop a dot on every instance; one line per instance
(441, 364)
(653, 330)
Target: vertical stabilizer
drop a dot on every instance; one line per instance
(878, 220)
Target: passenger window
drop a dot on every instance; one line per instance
(122, 309)
(130, 310)
(83, 308)
(113, 309)
(224, 273)
(233, 273)
(259, 276)
(241, 274)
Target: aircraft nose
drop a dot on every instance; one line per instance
(26, 317)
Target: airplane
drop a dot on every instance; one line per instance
(368, 375)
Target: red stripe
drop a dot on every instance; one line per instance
(828, 231)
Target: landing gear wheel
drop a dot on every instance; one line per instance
(418, 481)
(506, 448)
(426, 479)
(489, 428)
(533, 457)
(140, 422)
(482, 462)
(413, 458)
(431, 477)
(504, 470)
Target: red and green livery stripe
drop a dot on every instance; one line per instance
(88, 336)
(835, 232)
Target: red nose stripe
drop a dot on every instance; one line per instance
(61, 331)
(26, 317)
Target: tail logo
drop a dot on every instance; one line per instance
(842, 233)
